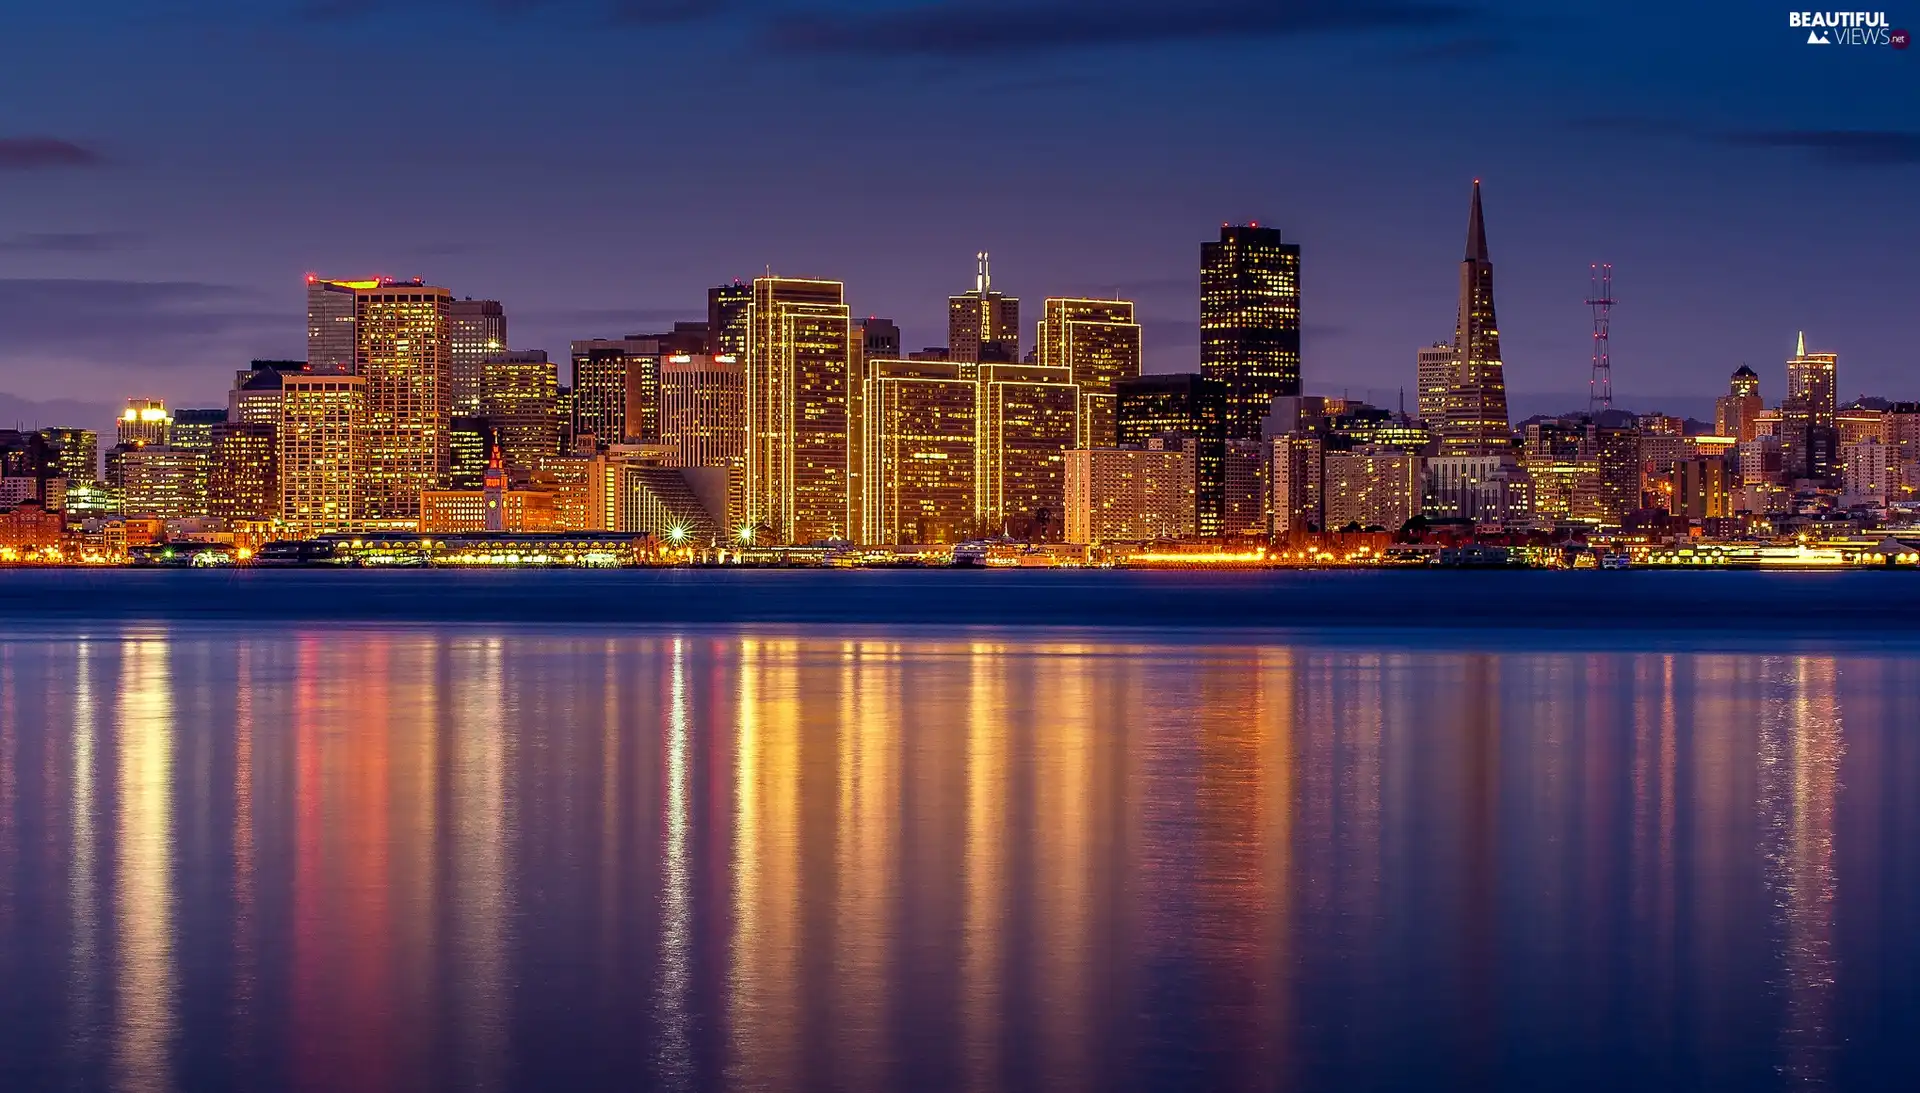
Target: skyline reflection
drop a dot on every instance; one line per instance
(412, 858)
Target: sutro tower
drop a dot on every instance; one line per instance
(1600, 299)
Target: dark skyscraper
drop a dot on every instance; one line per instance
(728, 308)
(1475, 420)
(1250, 321)
(1184, 405)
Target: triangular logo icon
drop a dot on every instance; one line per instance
(1815, 38)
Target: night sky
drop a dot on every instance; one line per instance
(167, 177)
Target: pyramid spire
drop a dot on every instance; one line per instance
(1476, 229)
(1801, 349)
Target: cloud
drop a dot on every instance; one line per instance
(975, 28)
(1830, 147)
(44, 153)
(628, 13)
(25, 413)
(1840, 147)
(69, 242)
(143, 325)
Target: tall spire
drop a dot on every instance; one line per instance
(983, 280)
(1801, 349)
(1476, 229)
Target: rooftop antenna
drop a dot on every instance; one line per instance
(1600, 299)
(983, 280)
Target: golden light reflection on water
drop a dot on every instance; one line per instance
(143, 888)
(868, 863)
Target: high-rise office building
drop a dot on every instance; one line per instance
(1185, 405)
(403, 356)
(1701, 489)
(394, 335)
(703, 422)
(1029, 416)
(193, 428)
(159, 481)
(144, 421)
(255, 396)
(472, 444)
(879, 339)
(703, 411)
(1436, 368)
(1808, 436)
(1130, 494)
(919, 442)
(799, 391)
(1098, 343)
(1737, 412)
(729, 308)
(1250, 321)
(1372, 487)
(1296, 475)
(243, 472)
(331, 308)
(321, 433)
(1474, 419)
(476, 330)
(983, 325)
(616, 390)
(76, 454)
(520, 397)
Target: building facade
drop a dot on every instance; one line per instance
(1474, 419)
(799, 396)
(1185, 405)
(983, 325)
(1250, 321)
(320, 434)
(1029, 416)
(1130, 494)
(476, 330)
(920, 447)
(616, 390)
(1098, 343)
(1808, 437)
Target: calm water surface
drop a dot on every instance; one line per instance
(338, 855)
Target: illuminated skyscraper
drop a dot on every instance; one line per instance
(1736, 413)
(728, 315)
(331, 306)
(520, 398)
(321, 432)
(193, 428)
(255, 396)
(799, 357)
(472, 444)
(1296, 475)
(476, 330)
(144, 421)
(1098, 342)
(616, 390)
(1474, 419)
(1434, 376)
(1130, 494)
(76, 454)
(243, 472)
(703, 411)
(1029, 416)
(983, 324)
(1250, 321)
(395, 336)
(1808, 437)
(919, 443)
(163, 482)
(703, 421)
(402, 353)
(1185, 405)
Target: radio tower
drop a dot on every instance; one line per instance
(1600, 387)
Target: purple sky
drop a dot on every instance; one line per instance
(167, 178)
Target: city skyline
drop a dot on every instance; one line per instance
(136, 243)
